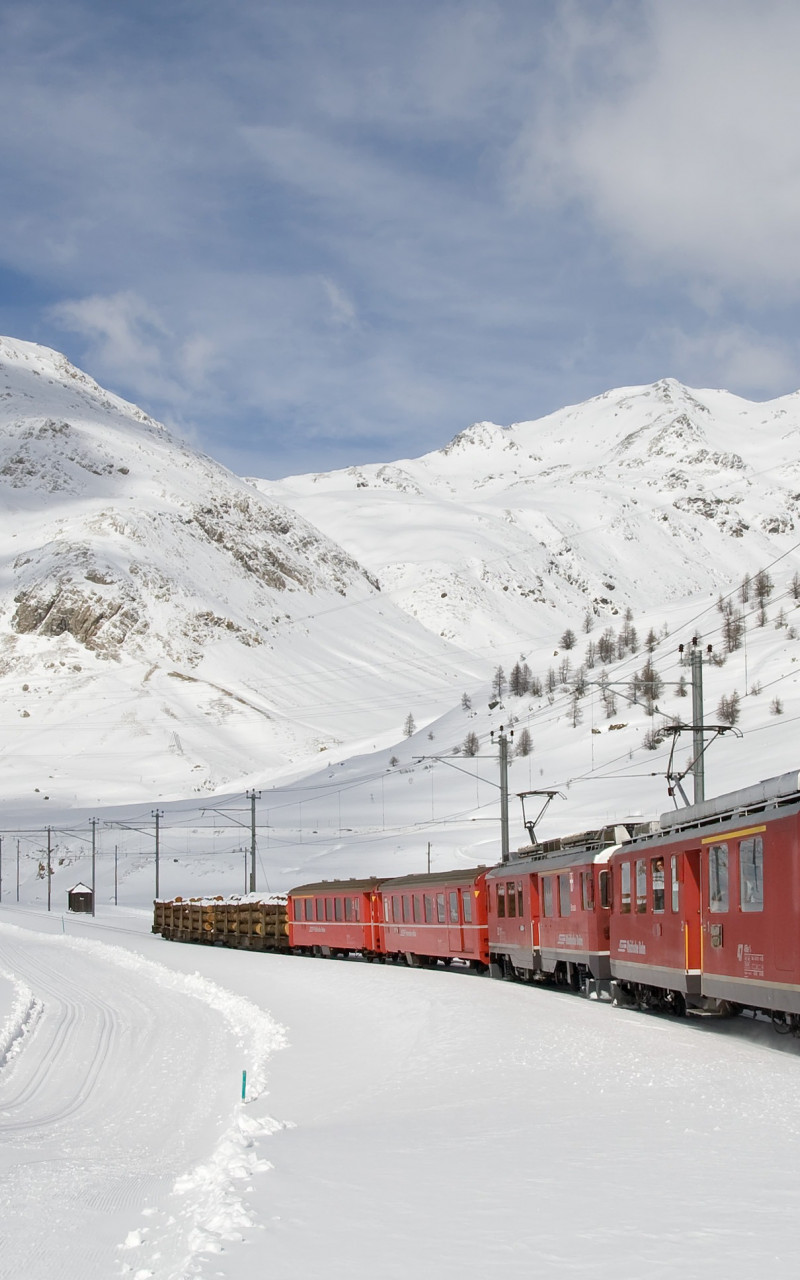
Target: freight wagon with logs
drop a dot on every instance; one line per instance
(255, 924)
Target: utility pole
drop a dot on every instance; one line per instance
(17, 869)
(502, 740)
(698, 728)
(429, 857)
(158, 814)
(94, 859)
(49, 867)
(252, 796)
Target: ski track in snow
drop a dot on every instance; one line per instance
(124, 1146)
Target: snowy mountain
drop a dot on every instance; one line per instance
(162, 622)
(509, 533)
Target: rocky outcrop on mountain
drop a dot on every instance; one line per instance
(148, 576)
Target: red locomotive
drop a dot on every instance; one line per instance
(706, 913)
(549, 911)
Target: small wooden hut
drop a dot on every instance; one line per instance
(79, 898)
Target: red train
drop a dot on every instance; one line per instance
(698, 912)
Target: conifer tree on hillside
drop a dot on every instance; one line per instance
(519, 680)
(607, 646)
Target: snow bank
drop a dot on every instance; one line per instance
(20, 1019)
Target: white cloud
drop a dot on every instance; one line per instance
(342, 307)
(682, 140)
(735, 357)
(127, 338)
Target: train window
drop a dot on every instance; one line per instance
(641, 884)
(396, 909)
(520, 901)
(298, 909)
(348, 908)
(440, 916)
(501, 901)
(718, 877)
(320, 905)
(329, 908)
(547, 895)
(564, 904)
(406, 911)
(588, 890)
(338, 908)
(466, 906)
(604, 885)
(657, 877)
(675, 882)
(428, 904)
(417, 910)
(309, 908)
(356, 909)
(511, 900)
(453, 903)
(751, 874)
(625, 887)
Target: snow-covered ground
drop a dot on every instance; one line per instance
(408, 1124)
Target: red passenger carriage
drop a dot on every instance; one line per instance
(440, 916)
(335, 917)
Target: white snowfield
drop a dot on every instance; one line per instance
(429, 1124)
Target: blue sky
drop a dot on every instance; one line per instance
(312, 234)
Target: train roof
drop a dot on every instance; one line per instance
(556, 860)
(585, 843)
(463, 875)
(771, 793)
(337, 886)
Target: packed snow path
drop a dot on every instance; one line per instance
(114, 1088)
(446, 1127)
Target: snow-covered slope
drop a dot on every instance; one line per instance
(164, 628)
(509, 533)
(169, 631)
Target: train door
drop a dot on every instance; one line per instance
(691, 910)
(455, 942)
(718, 884)
(375, 921)
(467, 913)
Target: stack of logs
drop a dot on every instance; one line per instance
(258, 924)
